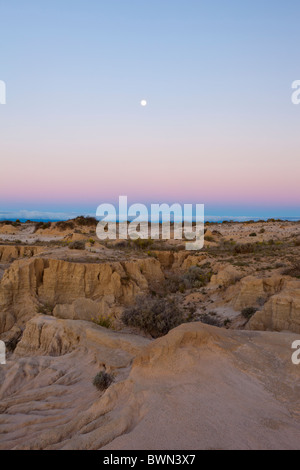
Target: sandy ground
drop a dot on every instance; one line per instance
(200, 387)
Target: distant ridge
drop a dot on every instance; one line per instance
(211, 219)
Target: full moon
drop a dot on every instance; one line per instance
(143, 103)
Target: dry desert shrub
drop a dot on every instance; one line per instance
(293, 270)
(42, 226)
(77, 245)
(244, 248)
(196, 277)
(105, 322)
(46, 309)
(17, 223)
(248, 312)
(141, 243)
(103, 380)
(65, 225)
(155, 316)
(211, 319)
(86, 221)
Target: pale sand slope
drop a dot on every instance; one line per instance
(199, 387)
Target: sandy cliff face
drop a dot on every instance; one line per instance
(18, 292)
(276, 298)
(8, 229)
(9, 253)
(60, 283)
(251, 291)
(225, 277)
(45, 335)
(281, 312)
(198, 387)
(181, 260)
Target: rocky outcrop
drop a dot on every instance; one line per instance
(281, 312)
(181, 260)
(166, 258)
(9, 253)
(51, 282)
(8, 229)
(225, 277)
(193, 260)
(252, 292)
(82, 309)
(18, 292)
(46, 335)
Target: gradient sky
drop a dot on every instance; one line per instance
(219, 128)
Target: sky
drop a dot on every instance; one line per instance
(219, 127)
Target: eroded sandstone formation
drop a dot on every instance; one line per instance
(63, 284)
(201, 386)
(198, 387)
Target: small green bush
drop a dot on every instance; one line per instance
(293, 270)
(253, 234)
(102, 380)
(42, 226)
(77, 245)
(105, 322)
(208, 319)
(86, 221)
(155, 316)
(65, 225)
(248, 312)
(6, 222)
(174, 284)
(243, 248)
(141, 243)
(196, 277)
(45, 309)
(12, 343)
